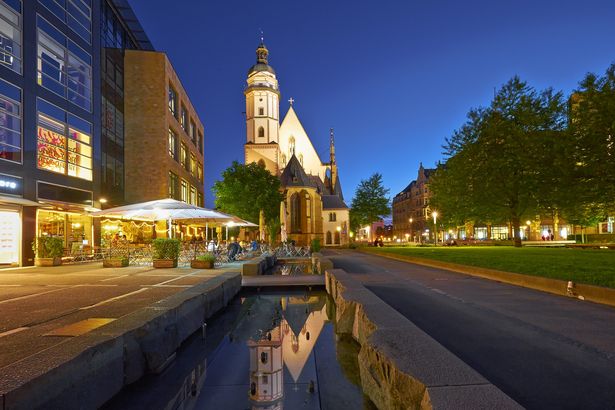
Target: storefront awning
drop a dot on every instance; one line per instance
(15, 200)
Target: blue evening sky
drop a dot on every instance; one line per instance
(393, 78)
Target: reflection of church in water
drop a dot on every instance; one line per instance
(286, 342)
(313, 205)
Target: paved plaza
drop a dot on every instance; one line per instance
(36, 304)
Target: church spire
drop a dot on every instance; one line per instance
(262, 53)
(332, 164)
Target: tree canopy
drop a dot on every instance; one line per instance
(246, 190)
(370, 202)
(499, 160)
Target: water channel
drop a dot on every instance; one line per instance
(266, 351)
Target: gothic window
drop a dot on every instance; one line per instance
(301, 159)
(261, 132)
(328, 240)
(295, 213)
(291, 146)
(261, 111)
(332, 217)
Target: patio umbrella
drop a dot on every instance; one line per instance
(165, 210)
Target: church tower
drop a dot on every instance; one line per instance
(262, 113)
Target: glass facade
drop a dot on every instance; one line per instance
(10, 34)
(10, 122)
(62, 66)
(64, 142)
(77, 14)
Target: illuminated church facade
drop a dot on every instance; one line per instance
(313, 206)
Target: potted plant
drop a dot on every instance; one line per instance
(203, 262)
(165, 252)
(48, 251)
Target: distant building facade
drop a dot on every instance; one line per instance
(411, 211)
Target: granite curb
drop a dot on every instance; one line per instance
(401, 367)
(87, 370)
(596, 294)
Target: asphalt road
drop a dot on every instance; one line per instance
(37, 301)
(544, 351)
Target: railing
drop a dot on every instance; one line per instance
(83, 254)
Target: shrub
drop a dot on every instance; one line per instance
(165, 248)
(206, 258)
(315, 246)
(48, 247)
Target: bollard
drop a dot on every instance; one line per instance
(570, 288)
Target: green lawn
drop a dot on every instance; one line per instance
(589, 266)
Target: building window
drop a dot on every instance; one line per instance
(64, 142)
(63, 67)
(291, 146)
(295, 213)
(264, 357)
(301, 159)
(200, 142)
(10, 35)
(193, 165)
(199, 171)
(192, 132)
(261, 111)
(332, 217)
(328, 240)
(173, 185)
(10, 122)
(183, 119)
(261, 132)
(283, 161)
(172, 144)
(173, 101)
(77, 14)
(199, 198)
(184, 191)
(183, 156)
(193, 198)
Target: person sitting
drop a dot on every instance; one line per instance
(233, 251)
(211, 246)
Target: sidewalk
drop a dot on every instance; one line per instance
(44, 311)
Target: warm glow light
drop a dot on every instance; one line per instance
(434, 214)
(103, 200)
(339, 228)
(528, 223)
(351, 234)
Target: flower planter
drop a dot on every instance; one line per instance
(47, 261)
(165, 263)
(197, 264)
(115, 263)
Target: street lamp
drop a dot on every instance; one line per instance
(411, 234)
(528, 223)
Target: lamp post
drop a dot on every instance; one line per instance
(435, 227)
(411, 234)
(339, 235)
(528, 223)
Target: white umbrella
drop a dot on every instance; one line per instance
(283, 231)
(165, 209)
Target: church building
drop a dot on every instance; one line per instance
(313, 206)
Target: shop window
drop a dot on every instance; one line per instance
(63, 142)
(10, 35)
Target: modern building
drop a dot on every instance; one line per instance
(63, 120)
(161, 124)
(411, 212)
(313, 204)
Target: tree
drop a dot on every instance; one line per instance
(592, 126)
(247, 190)
(497, 161)
(370, 202)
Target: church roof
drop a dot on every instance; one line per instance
(333, 202)
(294, 175)
(258, 67)
(338, 188)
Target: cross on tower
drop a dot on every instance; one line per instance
(291, 100)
